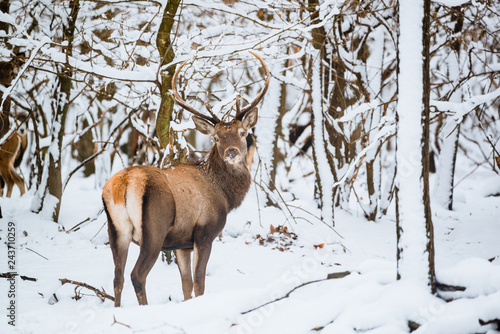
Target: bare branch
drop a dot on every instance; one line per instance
(99, 293)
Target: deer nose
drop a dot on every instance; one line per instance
(232, 153)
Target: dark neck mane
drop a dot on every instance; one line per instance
(233, 180)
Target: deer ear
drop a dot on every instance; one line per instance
(204, 126)
(250, 119)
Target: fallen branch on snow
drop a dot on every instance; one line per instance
(12, 275)
(89, 219)
(101, 294)
(495, 322)
(447, 287)
(329, 277)
(118, 322)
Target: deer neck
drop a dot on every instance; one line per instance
(233, 180)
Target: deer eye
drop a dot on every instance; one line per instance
(243, 133)
(216, 139)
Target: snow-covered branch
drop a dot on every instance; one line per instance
(460, 110)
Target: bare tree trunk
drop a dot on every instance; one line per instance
(6, 69)
(269, 131)
(53, 186)
(277, 133)
(83, 148)
(450, 133)
(373, 160)
(415, 235)
(426, 83)
(164, 45)
(443, 192)
(323, 137)
(164, 116)
(372, 175)
(324, 175)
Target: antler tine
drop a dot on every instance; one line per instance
(246, 109)
(211, 112)
(238, 107)
(178, 99)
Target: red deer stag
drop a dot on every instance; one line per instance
(181, 208)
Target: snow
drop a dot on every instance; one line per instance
(452, 3)
(243, 275)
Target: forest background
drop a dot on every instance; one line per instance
(91, 81)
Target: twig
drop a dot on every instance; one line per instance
(100, 294)
(119, 323)
(258, 203)
(95, 235)
(160, 329)
(318, 218)
(469, 174)
(490, 142)
(330, 276)
(275, 191)
(36, 253)
(77, 226)
(270, 192)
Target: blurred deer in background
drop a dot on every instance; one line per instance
(11, 155)
(12, 150)
(183, 207)
(6, 77)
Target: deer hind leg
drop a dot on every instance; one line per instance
(150, 248)
(157, 217)
(18, 180)
(183, 257)
(119, 242)
(4, 175)
(201, 255)
(9, 181)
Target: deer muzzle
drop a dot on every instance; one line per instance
(232, 155)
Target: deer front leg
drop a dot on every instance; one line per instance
(183, 257)
(201, 256)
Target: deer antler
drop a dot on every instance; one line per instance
(241, 113)
(177, 98)
(238, 107)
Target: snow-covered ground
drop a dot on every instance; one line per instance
(248, 270)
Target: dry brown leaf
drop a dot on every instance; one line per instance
(273, 229)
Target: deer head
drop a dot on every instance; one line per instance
(229, 137)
